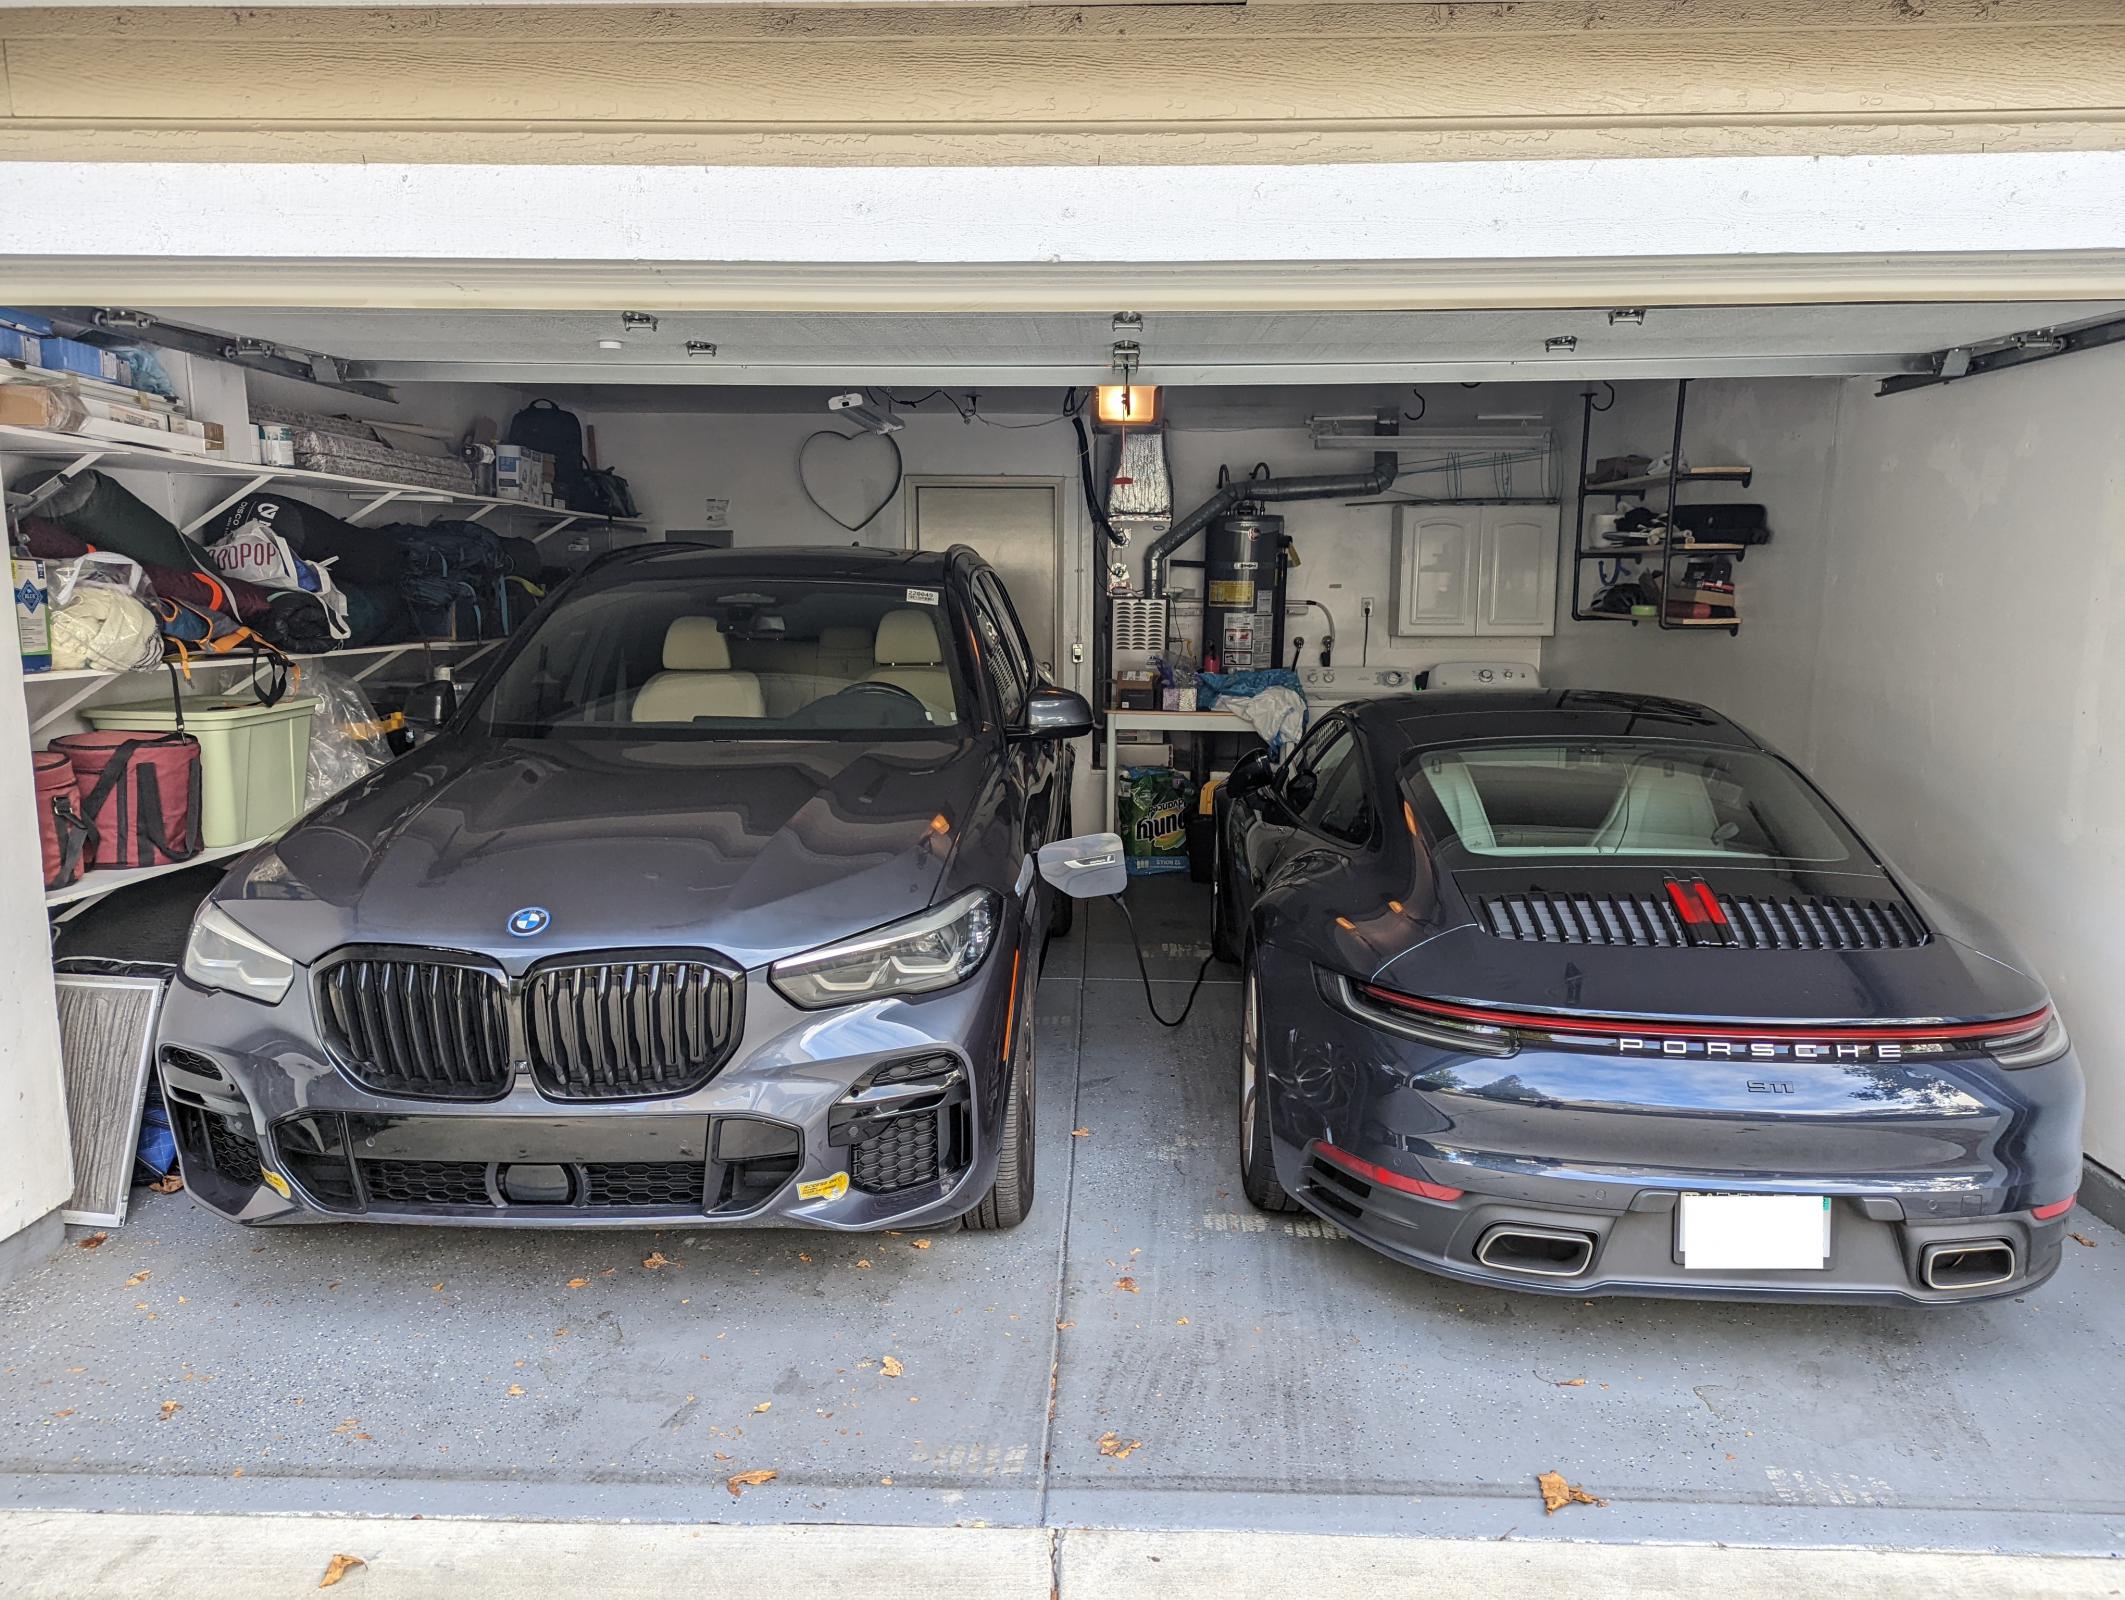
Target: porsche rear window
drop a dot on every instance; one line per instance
(1578, 798)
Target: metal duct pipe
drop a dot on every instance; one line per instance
(1386, 465)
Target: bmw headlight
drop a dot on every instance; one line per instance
(941, 947)
(223, 954)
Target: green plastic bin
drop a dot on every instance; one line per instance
(254, 760)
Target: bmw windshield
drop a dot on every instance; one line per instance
(645, 658)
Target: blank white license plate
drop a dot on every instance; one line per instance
(1753, 1232)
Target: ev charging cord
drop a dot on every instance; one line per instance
(1150, 1002)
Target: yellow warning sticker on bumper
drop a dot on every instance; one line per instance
(824, 1188)
(277, 1184)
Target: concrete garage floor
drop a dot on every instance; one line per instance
(1277, 1376)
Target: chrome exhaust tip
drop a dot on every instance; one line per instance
(1976, 1265)
(1541, 1252)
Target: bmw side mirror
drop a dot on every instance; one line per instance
(1086, 867)
(1053, 713)
(430, 706)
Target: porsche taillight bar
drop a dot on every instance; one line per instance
(1614, 1027)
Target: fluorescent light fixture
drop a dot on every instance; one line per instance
(1132, 405)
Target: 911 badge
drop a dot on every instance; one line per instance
(528, 921)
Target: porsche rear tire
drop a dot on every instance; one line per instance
(1258, 1179)
(1222, 946)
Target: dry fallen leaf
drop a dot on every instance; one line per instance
(801, 1256)
(1557, 1494)
(2082, 1239)
(63, 1415)
(348, 1425)
(170, 1408)
(1571, 1383)
(1080, 1133)
(93, 1241)
(578, 1283)
(138, 1278)
(1065, 1327)
(1113, 1444)
(920, 1244)
(337, 1568)
(739, 1482)
(656, 1261)
(892, 1367)
(863, 1265)
(514, 1390)
(765, 1405)
(169, 1184)
(1180, 1322)
(1126, 1285)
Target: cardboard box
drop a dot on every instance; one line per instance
(59, 410)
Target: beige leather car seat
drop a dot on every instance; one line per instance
(910, 657)
(697, 680)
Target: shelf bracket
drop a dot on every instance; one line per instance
(548, 533)
(483, 513)
(66, 702)
(251, 487)
(377, 504)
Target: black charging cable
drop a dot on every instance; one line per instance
(1144, 967)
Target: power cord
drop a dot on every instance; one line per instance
(1144, 968)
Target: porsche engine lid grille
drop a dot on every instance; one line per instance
(1752, 922)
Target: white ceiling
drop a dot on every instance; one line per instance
(1002, 350)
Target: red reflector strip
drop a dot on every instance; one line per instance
(1386, 1178)
(2059, 1209)
(1614, 1027)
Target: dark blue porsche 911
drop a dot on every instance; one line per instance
(1596, 994)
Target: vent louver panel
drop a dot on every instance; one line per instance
(1814, 922)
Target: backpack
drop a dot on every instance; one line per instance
(598, 492)
(256, 552)
(546, 428)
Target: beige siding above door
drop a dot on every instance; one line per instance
(909, 84)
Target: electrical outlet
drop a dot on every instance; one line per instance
(1367, 602)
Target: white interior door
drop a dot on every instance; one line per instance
(1016, 524)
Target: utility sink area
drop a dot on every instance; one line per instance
(1145, 1351)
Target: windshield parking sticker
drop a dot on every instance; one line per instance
(924, 597)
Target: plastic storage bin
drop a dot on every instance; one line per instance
(254, 760)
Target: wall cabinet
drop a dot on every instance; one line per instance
(1488, 571)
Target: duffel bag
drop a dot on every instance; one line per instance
(62, 831)
(139, 791)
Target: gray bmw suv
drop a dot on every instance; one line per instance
(715, 901)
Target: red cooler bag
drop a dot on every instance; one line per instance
(62, 831)
(139, 792)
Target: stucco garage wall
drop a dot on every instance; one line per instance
(1936, 634)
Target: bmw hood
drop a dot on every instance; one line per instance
(521, 849)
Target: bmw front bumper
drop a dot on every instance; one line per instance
(884, 1114)
(1562, 1173)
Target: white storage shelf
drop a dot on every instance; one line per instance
(108, 880)
(72, 453)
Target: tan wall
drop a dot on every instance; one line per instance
(1047, 83)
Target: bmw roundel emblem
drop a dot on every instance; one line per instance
(530, 920)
